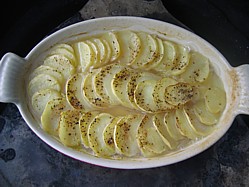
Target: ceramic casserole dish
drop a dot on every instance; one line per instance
(14, 71)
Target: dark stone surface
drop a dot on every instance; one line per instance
(27, 161)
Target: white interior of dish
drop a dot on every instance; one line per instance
(162, 29)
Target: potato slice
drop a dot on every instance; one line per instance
(65, 46)
(101, 50)
(84, 55)
(108, 135)
(197, 70)
(64, 51)
(144, 96)
(215, 99)
(184, 124)
(171, 125)
(89, 91)
(69, 131)
(112, 40)
(160, 125)
(120, 86)
(41, 82)
(95, 134)
(159, 91)
(125, 134)
(182, 61)
(74, 92)
(135, 80)
(48, 71)
(108, 52)
(149, 140)
(51, 115)
(103, 80)
(60, 63)
(41, 98)
(148, 51)
(179, 93)
(96, 52)
(169, 56)
(130, 46)
(203, 114)
(84, 123)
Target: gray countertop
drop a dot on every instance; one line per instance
(28, 161)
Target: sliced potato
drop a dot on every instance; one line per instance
(197, 70)
(108, 51)
(169, 56)
(101, 50)
(160, 125)
(65, 46)
(84, 123)
(158, 93)
(102, 83)
(182, 61)
(112, 40)
(95, 134)
(130, 46)
(41, 82)
(108, 135)
(96, 51)
(203, 114)
(215, 99)
(48, 71)
(125, 134)
(59, 50)
(41, 98)
(144, 96)
(179, 93)
(148, 51)
(171, 125)
(84, 55)
(60, 63)
(149, 140)
(184, 124)
(69, 131)
(89, 91)
(120, 86)
(51, 115)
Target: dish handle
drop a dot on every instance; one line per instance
(12, 69)
(243, 90)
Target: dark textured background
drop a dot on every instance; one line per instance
(26, 161)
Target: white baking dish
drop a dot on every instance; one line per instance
(14, 70)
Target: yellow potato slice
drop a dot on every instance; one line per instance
(108, 135)
(215, 99)
(130, 46)
(120, 86)
(160, 125)
(169, 56)
(103, 83)
(171, 125)
(96, 52)
(48, 71)
(69, 131)
(84, 55)
(84, 123)
(148, 51)
(41, 82)
(74, 92)
(158, 93)
(89, 91)
(144, 96)
(101, 48)
(65, 46)
(181, 62)
(135, 80)
(95, 134)
(184, 124)
(125, 134)
(51, 115)
(60, 63)
(203, 114)
(149, 140)
(64, 51)
(113, 42)
(41, 98)
(179, 93)
(108, 51)
(197, 70)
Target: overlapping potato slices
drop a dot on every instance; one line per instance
(126, 93)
